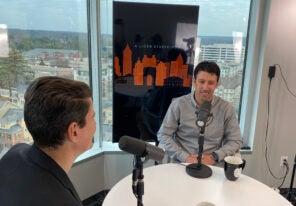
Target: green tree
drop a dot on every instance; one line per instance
(14, 71)
(42, 62)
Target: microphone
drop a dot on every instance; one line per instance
(198, 169)
(140, 148)
(203, 114)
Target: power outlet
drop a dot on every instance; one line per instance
(283, 158)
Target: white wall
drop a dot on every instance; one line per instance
(281, 139)
(103, 171)
(88, 176)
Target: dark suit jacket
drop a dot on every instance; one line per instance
(28, 177)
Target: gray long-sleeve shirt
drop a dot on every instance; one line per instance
(179, 134)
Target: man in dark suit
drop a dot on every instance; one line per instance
(59, 115)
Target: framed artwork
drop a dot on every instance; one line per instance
(153, 59)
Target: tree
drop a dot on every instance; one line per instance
(14, 71)
(42, 62)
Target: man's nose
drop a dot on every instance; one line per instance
(205, 86)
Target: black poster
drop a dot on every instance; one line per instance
(153, 51)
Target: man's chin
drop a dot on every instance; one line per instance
(205, 97)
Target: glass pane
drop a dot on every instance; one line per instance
(222, 34)
(37, 38)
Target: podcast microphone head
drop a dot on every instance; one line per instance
(206, 105)
(203, 113)
(140, 148)
(154, 152)
(132, 145)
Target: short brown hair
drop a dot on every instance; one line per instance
(207, 66)
(51, 105)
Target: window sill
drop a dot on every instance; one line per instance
(246, 151)
(109, 147)
(97, 150)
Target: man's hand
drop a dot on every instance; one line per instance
(206, 159)
(191, 159)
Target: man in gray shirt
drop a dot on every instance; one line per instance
(179, 134)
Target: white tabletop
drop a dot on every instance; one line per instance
(170, 185)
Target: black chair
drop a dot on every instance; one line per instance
(154, 107)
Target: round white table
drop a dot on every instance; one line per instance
(170, 185)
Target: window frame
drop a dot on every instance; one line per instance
(253, 71)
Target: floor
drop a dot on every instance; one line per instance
(289, 195)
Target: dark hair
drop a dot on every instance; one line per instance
(207, 66)
(51, 105)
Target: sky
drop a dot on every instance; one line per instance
(215, 16)
(52, 15)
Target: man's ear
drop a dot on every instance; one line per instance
(72, 132)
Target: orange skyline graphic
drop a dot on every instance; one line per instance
(163, 70)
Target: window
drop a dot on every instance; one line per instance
(222, 33)
(38, 38)
(53, 38)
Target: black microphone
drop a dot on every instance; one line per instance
(140, 148)
(198, 169)
(203, 114)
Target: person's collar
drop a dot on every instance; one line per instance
(48, 164)
(214, 100)
(195, 105)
